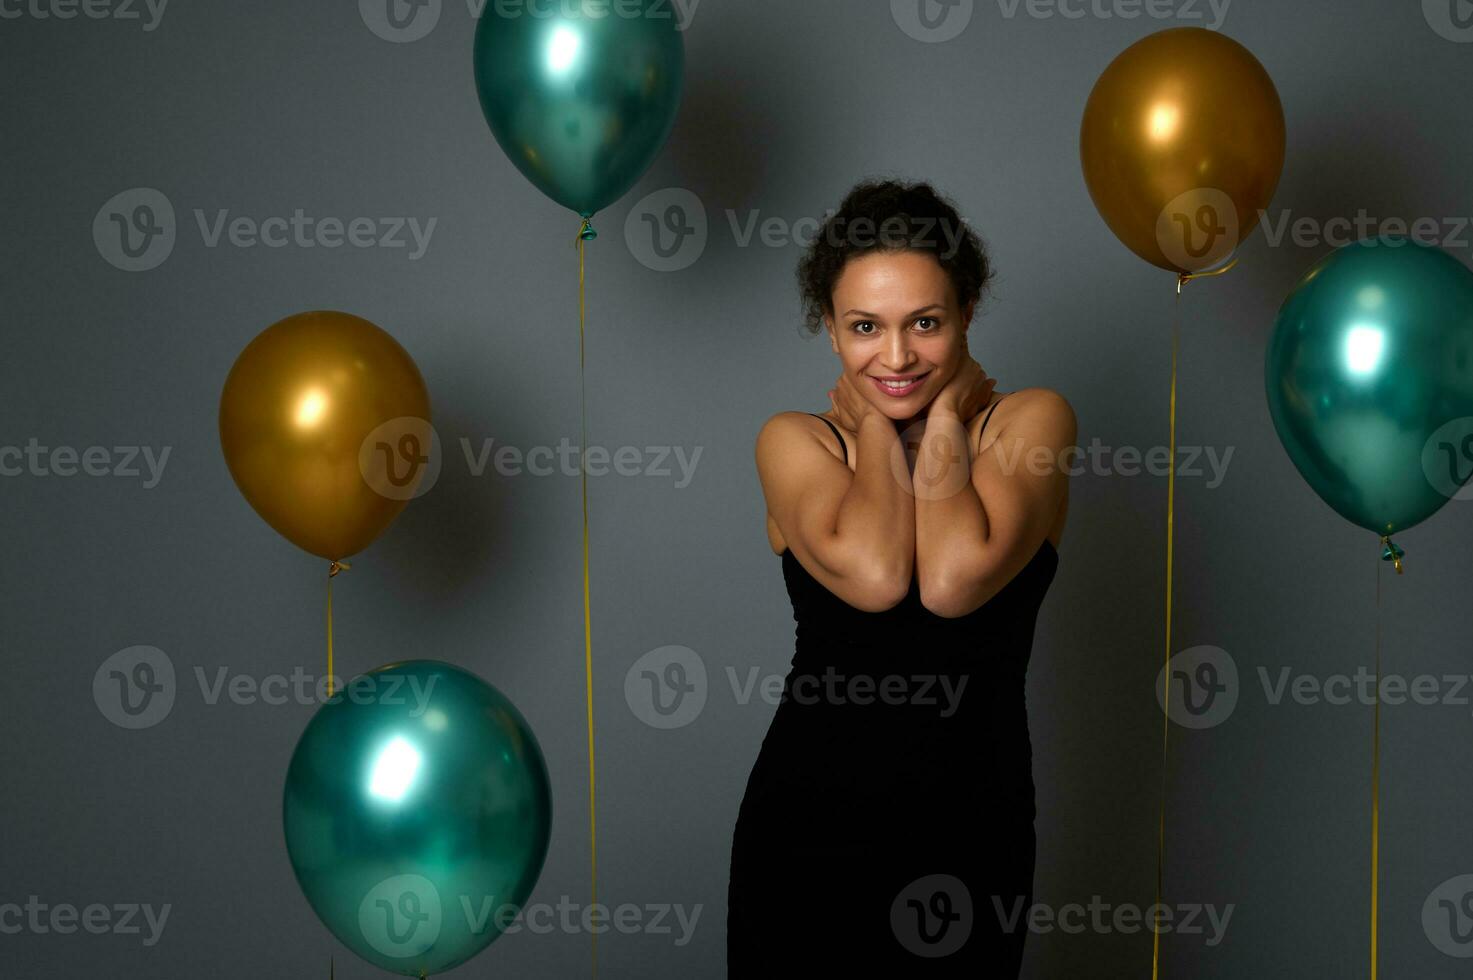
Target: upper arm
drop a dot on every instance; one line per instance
(804, 485)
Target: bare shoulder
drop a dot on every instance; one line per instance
(790, 436)
(1040, 413)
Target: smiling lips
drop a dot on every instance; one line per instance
(898, 385)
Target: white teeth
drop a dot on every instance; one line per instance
(900, 384)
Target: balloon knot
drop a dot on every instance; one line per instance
(1183, 278)
(337, 566)
(585, 231)
(1391, 552)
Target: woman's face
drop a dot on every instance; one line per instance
(897, 329)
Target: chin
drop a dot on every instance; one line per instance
(900, 409)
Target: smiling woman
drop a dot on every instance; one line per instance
(888, 819)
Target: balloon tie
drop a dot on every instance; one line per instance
(332, 571)
(587, 233)
(1185, 277)
(1391, 552)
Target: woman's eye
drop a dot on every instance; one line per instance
(858, 327)
(922, 322)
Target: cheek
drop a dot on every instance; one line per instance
(942, 352)
(852, 358)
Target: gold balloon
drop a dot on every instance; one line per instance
(324, 421)
(1182, 145)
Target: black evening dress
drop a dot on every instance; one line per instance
(887, 824)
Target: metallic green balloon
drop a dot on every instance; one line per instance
(417, 814)
(1370, 380)
(581, 94)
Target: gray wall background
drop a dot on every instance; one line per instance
(267, 107)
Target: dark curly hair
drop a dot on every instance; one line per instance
(891, 216)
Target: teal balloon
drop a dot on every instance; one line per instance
(581, 94)
(417, 814)
(1370, 380)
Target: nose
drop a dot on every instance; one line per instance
(897, 355)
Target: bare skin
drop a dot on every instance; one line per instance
(958, 518)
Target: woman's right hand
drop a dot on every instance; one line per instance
(849, 405)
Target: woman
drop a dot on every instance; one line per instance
(888, 819)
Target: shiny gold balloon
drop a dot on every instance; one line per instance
(1182, 145)
(325, 424)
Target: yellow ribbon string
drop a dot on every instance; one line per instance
(585, 232)
(332, 571)
(1181, 280)
(1376, 768)
(1166, 668)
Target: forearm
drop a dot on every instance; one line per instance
(951, 523)
(876, 519)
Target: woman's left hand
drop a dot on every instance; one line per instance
(968, 391)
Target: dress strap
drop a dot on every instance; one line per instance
(842, 444)
(988, 418)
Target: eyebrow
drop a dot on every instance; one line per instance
(933, 306)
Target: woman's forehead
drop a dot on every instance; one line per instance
(904, 281)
